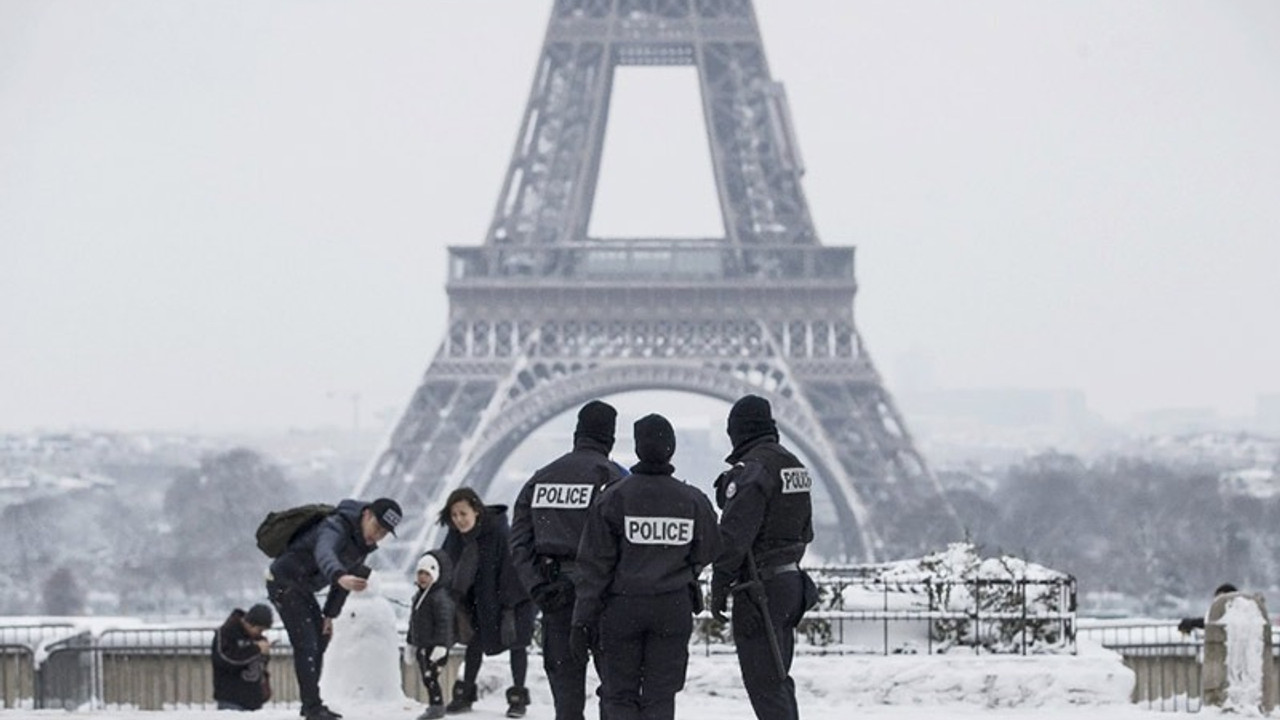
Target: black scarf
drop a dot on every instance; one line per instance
(464, 571)
(645, 467)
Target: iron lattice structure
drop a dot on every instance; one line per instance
(543, 318)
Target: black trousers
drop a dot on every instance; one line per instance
(430, 673)
(644, 653)
(567, 677)
(772, 697)
(304, 622)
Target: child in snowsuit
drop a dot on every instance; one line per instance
(431, 627)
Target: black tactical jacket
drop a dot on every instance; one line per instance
(551, 509)
(766, 507)
(648, 534)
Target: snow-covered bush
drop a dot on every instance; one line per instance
(935, 604)
(998, 604)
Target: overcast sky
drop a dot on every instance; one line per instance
(230, 215)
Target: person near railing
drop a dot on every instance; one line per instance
(431, 627)
(766, 524)
(646, 540)
(494, 611)
(546, 525)
(1187, 624)
(240, 653)
(329, 554)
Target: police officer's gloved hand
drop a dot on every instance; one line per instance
(580, 642)
(554, 595)
(1189, 624)
(507, 629)
(719, 602)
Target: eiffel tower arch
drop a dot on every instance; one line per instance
(543, 318)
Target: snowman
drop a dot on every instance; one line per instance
(362, 663)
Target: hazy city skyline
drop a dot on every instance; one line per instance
(233, 215)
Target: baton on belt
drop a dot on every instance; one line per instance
(754, 590)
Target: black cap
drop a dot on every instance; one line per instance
(597, 420)
(751, 417)
(260, 615)
(387, 511)
(655, 439)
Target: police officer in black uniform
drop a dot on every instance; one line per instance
(766, 519)
(647, 538)
(545, 529)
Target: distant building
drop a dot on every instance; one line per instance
(1006, 407)
(1177, 421)
(1001, 425)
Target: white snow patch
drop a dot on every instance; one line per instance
(1244, 625)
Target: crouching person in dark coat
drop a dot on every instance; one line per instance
(431, 628)
(646, 540)
(240, 655)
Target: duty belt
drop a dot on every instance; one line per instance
(768, 573)
(559, 565)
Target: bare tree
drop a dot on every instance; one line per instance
(62, 593)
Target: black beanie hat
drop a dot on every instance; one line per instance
(750, 418)
(597, 420)
(259, 615)
(655, 439)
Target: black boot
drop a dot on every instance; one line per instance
(320, 712)
(464, 693)
(517, 701)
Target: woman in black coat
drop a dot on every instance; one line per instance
(494, 610)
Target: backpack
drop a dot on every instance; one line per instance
(279, 527)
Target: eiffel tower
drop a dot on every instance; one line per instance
(543, 318)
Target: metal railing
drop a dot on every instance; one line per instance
(645, 261)
(33, 634)
(1167, 665)
(163, 668)
(143, 668)
(17, 677)
(860, 614)
(167, 668)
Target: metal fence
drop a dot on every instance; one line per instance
(1167, 664)
(18, 661)
(863, 614)
(162, 668)
(167, 668)
(143, 668)
(17, 676)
